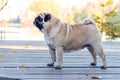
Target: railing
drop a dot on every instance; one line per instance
(4, 34)
(14, 33)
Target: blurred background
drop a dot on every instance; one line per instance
(16, 16)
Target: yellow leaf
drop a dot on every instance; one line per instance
(26, 46)
(13, 50)
(1, 54)
(22, 66)
(3, 60)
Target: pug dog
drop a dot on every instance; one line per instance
(62, 37)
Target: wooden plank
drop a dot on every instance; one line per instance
(66, 77)
(46, 52)
(62, 75)
(20, 42)
(65, 60)
(32, 65)
(75, 73)
(52, 71)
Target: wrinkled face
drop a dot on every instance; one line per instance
(42, 21)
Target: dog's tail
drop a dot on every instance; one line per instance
(88, 21)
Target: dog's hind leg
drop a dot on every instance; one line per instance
(99, 50)
(93, 53)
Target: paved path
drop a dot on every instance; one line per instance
(26, 60)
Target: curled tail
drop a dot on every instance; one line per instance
(87, 21)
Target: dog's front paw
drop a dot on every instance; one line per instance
(93, 64)
(50, 65)
(58, 67)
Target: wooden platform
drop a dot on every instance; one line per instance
(26, 60)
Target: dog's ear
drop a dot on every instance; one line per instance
(47, 17)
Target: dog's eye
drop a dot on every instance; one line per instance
(40, 19)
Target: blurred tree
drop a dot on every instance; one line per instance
(3, 3)
(49, 6)
(68, 17)
(53, 7)
(107, 19)
(80, 16)
(84, 12)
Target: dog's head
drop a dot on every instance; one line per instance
(42, 20)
